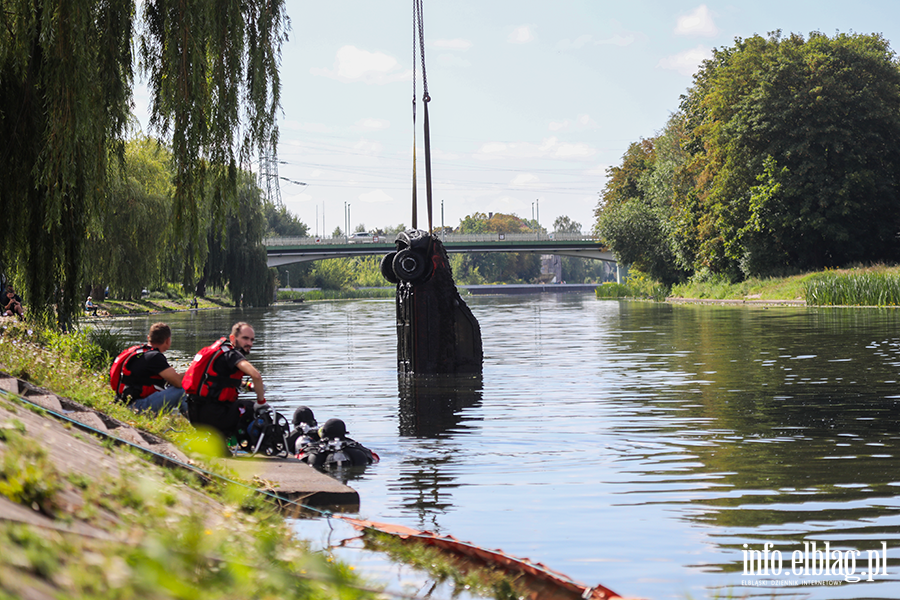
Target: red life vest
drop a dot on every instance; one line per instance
(122, 376)
(201, 378)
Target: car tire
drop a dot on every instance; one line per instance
(387, 268)
(408, 265)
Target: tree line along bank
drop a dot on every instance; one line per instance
(782, 157)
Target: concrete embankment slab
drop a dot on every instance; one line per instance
(296, 481)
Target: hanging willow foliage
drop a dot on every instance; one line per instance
(65, 92)
(213, 76)
(65, 80)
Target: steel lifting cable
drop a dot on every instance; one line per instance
(419, 54)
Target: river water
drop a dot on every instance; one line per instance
(656, 449)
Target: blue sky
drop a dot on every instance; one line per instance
(531, 100)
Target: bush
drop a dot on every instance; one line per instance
(637, 285)
(79, 347)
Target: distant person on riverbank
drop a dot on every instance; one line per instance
(194, 302)
(12, 304)
(213, 401)
(144, 373)
(90, 307)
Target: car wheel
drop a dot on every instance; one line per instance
(387, 268)
(408, 265)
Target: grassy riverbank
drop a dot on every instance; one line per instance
(862, 286)
(158, 302)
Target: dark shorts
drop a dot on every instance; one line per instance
(228, 418)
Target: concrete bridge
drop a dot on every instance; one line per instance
(285, 251)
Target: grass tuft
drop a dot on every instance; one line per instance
(871, 287)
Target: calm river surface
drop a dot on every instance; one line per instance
(647, 447)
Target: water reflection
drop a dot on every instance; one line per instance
(432, 405)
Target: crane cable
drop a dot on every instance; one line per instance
(419, 54)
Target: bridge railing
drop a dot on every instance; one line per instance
(447, 238)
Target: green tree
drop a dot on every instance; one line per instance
(65, 90)
(783, 156)
(65, 79)
(801, 153)
(493, 223)
(125, 238)
(636, 234)
(237, 257)
(563, 224)
(333, 273)
(493, 267)
(280, 222)
(638, 227)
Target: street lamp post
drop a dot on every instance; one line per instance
(537, 204)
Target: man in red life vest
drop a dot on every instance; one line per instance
(220, 407)
(149, 371)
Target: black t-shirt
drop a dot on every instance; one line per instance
(148, 364)
(227, 362)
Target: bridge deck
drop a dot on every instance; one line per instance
(283, 251)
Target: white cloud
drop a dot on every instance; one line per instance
(300, 198)
(548, 148)
(451, 60)
(686, 62)
(599, 170)
(521, 35)
(457, 44)
(367, 147)
(580, 42)
(371, 124)
(525, 179)
(375, 197)
(699, 22)
(582, 122)
(352, 64)
(571, 151)
(618, 40)
(494, 148)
